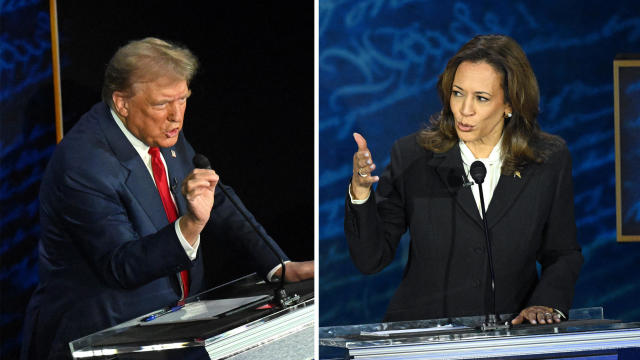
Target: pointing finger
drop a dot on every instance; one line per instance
(362, 143)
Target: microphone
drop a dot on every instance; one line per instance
(201, 162)
(465, 182)
(478, 172)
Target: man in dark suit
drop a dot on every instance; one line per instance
(122, 207)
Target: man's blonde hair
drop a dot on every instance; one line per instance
(146, 60)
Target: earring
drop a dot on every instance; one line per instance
(509, 115)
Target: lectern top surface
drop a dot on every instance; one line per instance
(213, 313)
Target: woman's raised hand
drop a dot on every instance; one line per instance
(363, 165)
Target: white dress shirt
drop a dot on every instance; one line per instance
(493, 164)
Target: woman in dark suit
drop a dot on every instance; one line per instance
(490, 104)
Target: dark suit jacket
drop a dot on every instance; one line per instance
(107, 253)
(530, 219)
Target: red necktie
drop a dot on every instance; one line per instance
(160, 176)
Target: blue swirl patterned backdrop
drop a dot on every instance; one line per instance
(379, 63)
(27, 139)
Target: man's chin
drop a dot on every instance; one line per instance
(165, 143)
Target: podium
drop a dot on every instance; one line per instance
(232, 321)
(586, 336)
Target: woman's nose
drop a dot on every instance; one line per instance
(467, 108)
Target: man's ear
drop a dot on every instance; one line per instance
(121, 103)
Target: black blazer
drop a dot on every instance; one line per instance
(530, 220)
(107, 252)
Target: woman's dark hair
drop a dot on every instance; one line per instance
(523, 142)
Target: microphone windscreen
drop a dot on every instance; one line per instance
(478, 172)
(201, 162)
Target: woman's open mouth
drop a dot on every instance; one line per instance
(464, 127)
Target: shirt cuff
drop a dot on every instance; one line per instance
(190, 250)
(356, 201)
(271, 275)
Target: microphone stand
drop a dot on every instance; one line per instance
(280, 294)
(492, 320)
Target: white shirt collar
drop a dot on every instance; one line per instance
(141, 148)
(494, 157)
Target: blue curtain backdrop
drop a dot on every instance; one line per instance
(379, 63)
(27, 140)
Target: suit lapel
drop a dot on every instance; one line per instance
(507, 191)
(449, 167)
(139, 180)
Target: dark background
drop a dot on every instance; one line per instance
(251, 113)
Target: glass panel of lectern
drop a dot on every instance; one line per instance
(237, 320)
(587, 335)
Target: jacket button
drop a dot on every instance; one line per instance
(478, 250)
(476, 283)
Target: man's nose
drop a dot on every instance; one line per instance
(174, 111)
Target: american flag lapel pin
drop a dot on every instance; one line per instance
(173, 153)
